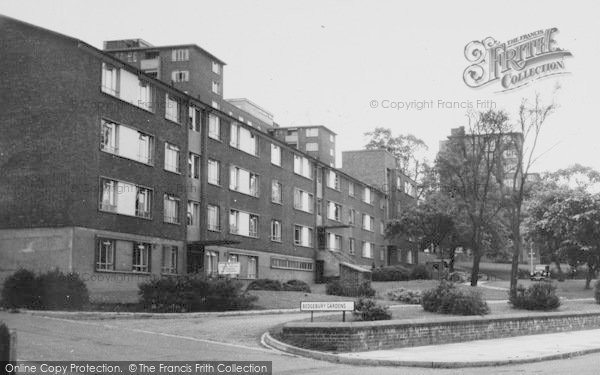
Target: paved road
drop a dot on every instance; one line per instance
(211, 338)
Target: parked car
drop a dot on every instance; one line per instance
(540, 272)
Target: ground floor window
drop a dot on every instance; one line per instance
(170, 258)
(211, 263)
(291, 264)
(248, 265)
(409, 257)
(122, 255)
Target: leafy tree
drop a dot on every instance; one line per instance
(531, 119)
(468, 168)
(407, 149)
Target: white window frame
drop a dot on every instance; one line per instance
(193, 213)
(275, 155)
(180, 54)
(276, 230)
(276, 186)
(214, 127)
(173, 217)
(299, 201)
(213, 218)
(172, 162)
(170, 260)
(172, 108)
(216, 67)
(214, 171)
(193, 165)
(141, 257)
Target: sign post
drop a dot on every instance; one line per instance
(342, 306)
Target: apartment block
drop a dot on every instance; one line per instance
(318, 141)
(112, 169)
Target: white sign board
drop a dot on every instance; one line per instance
(229, 268)
(327, 306)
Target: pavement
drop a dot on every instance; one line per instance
(478, 353)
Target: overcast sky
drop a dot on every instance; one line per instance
(323, 62)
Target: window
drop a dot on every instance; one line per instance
(171, 207)
(367, 196)
(125, 198)
(193, 213)
(214, 127)
(331, 138)
(334, 242)
(110, 79)
(211, 263)
(214, 172)
(303, 236)
(381, 228)
(215, 105)
(399, 184)
(276, 230)
(216, 87)
(180, 76)
(302, 166)
(126, 142)
(367, 250)
(213, 218)
(195, 119)
(143, 203)
(243, 139)
(172, 158)
(333, 180)
(331, 152)
(252, 269)
(194, 165)
(334, 211)
(319, 204)
(243, 181)
(171, 108)
(105, 257)
(351, 246)
(368, 222)
(351, 216)
(275, 191)
(303, 201)
(141, 257)
(382, 255)
(216, 67)
(275, 155)
(312, 132)
(170, 259)
(127, 86)
(312, 146)
(243, 223)
(182, 54)
(289, 264)
(351, 188)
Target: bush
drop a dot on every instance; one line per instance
(412, 297)
(420, 272)
(597, 291)
(20, 290)
(458, 277)
(539, 296)
(4, 343)
(182, 294)
(447, 299)
(367, 309)
(391, 273)
(296, 286)
(265, 284)
(52, 290)
(61, 291)
(335, 288)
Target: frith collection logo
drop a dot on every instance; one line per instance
(515, 63)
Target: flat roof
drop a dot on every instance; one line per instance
(195, 46)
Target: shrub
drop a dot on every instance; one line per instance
(4, 343)
(539, 296)
(368, 309)
(52, 290)
(265, 284)
(296, 286)
(447, 299)
(458, 277)
(392, 273)
(335, 288)
(413, 297)
(420, 272)
(181, 294)
(597, 291)
(20, 290)
(61, 291)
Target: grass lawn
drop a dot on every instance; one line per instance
(416, 312)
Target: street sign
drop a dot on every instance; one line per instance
(342, 306)
(229, 268)
(327, 306)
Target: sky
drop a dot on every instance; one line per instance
(340, 63)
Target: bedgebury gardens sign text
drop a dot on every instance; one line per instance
(515, 63)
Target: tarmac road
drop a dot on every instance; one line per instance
(225, 338)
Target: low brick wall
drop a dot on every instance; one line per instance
(365, 336)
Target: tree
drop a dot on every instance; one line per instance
(405, 147)
(468, 168)
(530, 122)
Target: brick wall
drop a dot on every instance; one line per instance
(365, 336)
